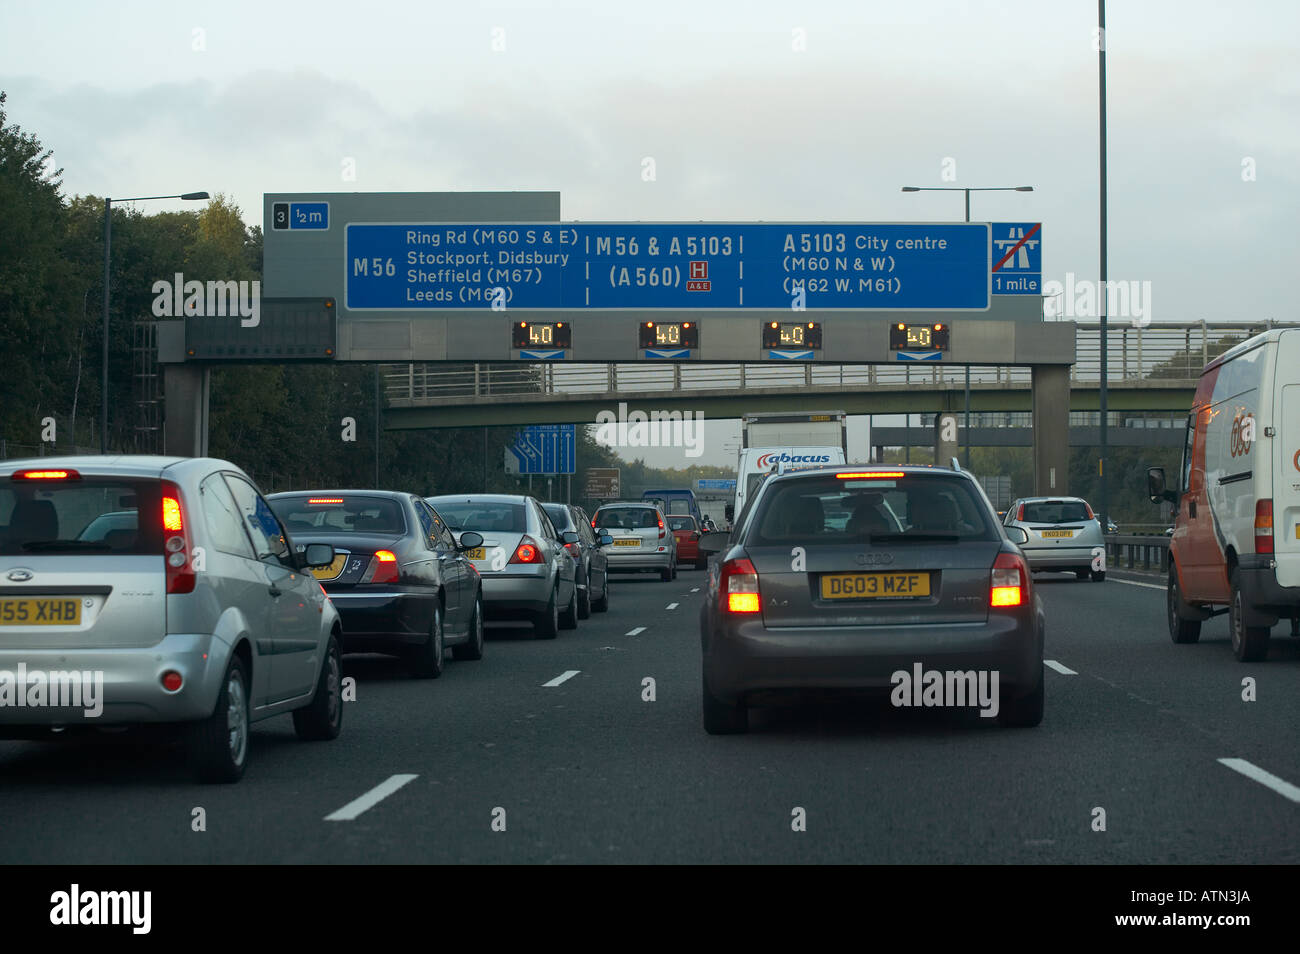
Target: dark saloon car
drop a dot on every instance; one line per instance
(401, 583)
(921, 579)
(590, 564)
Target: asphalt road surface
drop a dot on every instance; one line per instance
(584, 769)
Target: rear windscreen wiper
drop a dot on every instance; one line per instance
(45, 545)
(894, 537)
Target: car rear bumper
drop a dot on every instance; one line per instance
(126, 683)
(386, 616)
(1066, 558)
(748, 658)
(516, 595)
(639, 561)
(1266, 599)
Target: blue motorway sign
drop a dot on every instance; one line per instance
(1017, 258)
(543, 449)
(698, 267)
(715, 483)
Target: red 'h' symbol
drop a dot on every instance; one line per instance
(699, 270)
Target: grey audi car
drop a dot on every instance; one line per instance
(919, 577)
(161, 590)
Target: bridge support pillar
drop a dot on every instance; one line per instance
(1051, 397)
(185, 409)
(945, 438)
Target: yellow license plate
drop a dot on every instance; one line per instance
(477, 553)
(1048, 534)
(859, 586)
(628, 543)
(331, 571)
(40, 612)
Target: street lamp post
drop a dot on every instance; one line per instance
(968, 191)
(108, 245)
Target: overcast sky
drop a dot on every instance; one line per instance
(140, 98)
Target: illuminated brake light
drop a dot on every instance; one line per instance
(527, 552)
(385, 556)
(324, 500)
(1009, 581)
(382, 568)
(872, 474)
(172, 521)
(180, 576)
(1264, 526)
(739, 581)
(46, 475)
(661, 526)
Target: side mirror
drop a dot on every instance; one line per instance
(714, 542)
(1156, 486)
(605, 539)
(1017, 535)
(470, 540)
(317, 554)
(569, 536)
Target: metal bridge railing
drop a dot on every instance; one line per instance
(1170, 355)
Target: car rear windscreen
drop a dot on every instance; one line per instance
(559, 516)
(482, 517)
(89, 515)
(829, 509)
(681, 523)
(339, 513)
(1055, 511)
(627, 518)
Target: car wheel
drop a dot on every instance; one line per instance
(674, 568)
(547, 624)
(1081, 574)
(1025, 711)
(1180, 630)
(474, 648)
(1249, 643)
(602, 605)
(219, 744)
(723, 719)
(584, 599)
(428, 660)
(666, 574)
(322, 719)
(1098, 576)
(569, 618)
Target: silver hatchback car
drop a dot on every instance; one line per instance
(158, 590)
(642, 540)
(1064, 535)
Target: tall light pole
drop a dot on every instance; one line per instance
(968, 191)
(108, 245)
(1103, 503)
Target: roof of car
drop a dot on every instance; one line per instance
(332, 492)
(1057, 499)
(107, 465)
(480, 498)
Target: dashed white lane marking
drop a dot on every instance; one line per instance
(1149, 586)
(671, 606)
(695, 589)
(369, 800)
(634, 632)
(1283, 788)
(567, 674)
(1063, 670)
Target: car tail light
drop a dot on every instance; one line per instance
(573, 549)
(1009, 582)
(871, 474)
(324, 500)
(382, 568)
(176, 542)
(593, 523)
(45, 475)
(1091, 515)
(738, 584)
(661, 526)
(527, 552)
(1264, 526)
(1020, 512)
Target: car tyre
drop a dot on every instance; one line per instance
(1098, 576)
(322, 719)
(602, 605)
(569, 618)
(428, 660)
(666, 574)
(584, 599)
(547, 623)
(1081, 574)
(1249, 643)
(1025, 711)
(1180, 630)
(723, 719)
(473, 649)
(219, 743)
